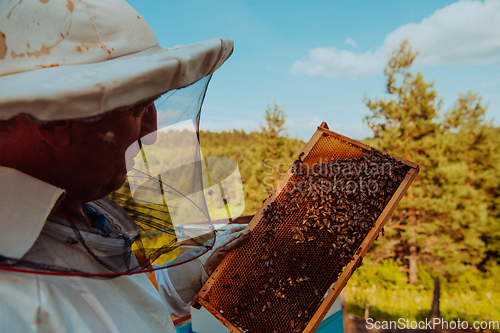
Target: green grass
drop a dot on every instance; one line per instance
(473, 298)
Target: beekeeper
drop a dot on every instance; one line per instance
(78, 81)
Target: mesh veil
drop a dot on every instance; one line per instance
(171, 197)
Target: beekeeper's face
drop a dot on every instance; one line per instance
(99, 148)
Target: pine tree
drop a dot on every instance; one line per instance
(402, 125)
(273, 147)
(445, 222)
(473, 144)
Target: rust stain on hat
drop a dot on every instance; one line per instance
(69, 5)
(44, 1)
(8, 14)
(3, 46)
(14, 55)
(44, 50)
(47, 66)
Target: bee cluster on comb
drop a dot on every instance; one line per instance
(306, 234)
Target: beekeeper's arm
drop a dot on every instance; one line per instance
(178, 285)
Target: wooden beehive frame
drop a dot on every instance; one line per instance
(201, 297)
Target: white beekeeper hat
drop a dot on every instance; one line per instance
(74, 59)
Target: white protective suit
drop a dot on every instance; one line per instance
(47, 303)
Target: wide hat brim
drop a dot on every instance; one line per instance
(86, 91)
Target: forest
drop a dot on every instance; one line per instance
(448, 224)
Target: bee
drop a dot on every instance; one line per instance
(292, 324)
(298, 237)
(279, 294)
(269, 305)
(299, 314)
(316, 292)
(251, 315)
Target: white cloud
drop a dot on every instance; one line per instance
(358, 131)
(350, 42)
(302, 128)
(248, 125)
(343, 63)
(490, 83)
(463, 33)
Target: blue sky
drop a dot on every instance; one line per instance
(319, 59)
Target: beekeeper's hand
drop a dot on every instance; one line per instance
(187, 279)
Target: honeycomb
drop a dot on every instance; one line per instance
(305, 237)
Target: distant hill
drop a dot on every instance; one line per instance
(249, 150)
